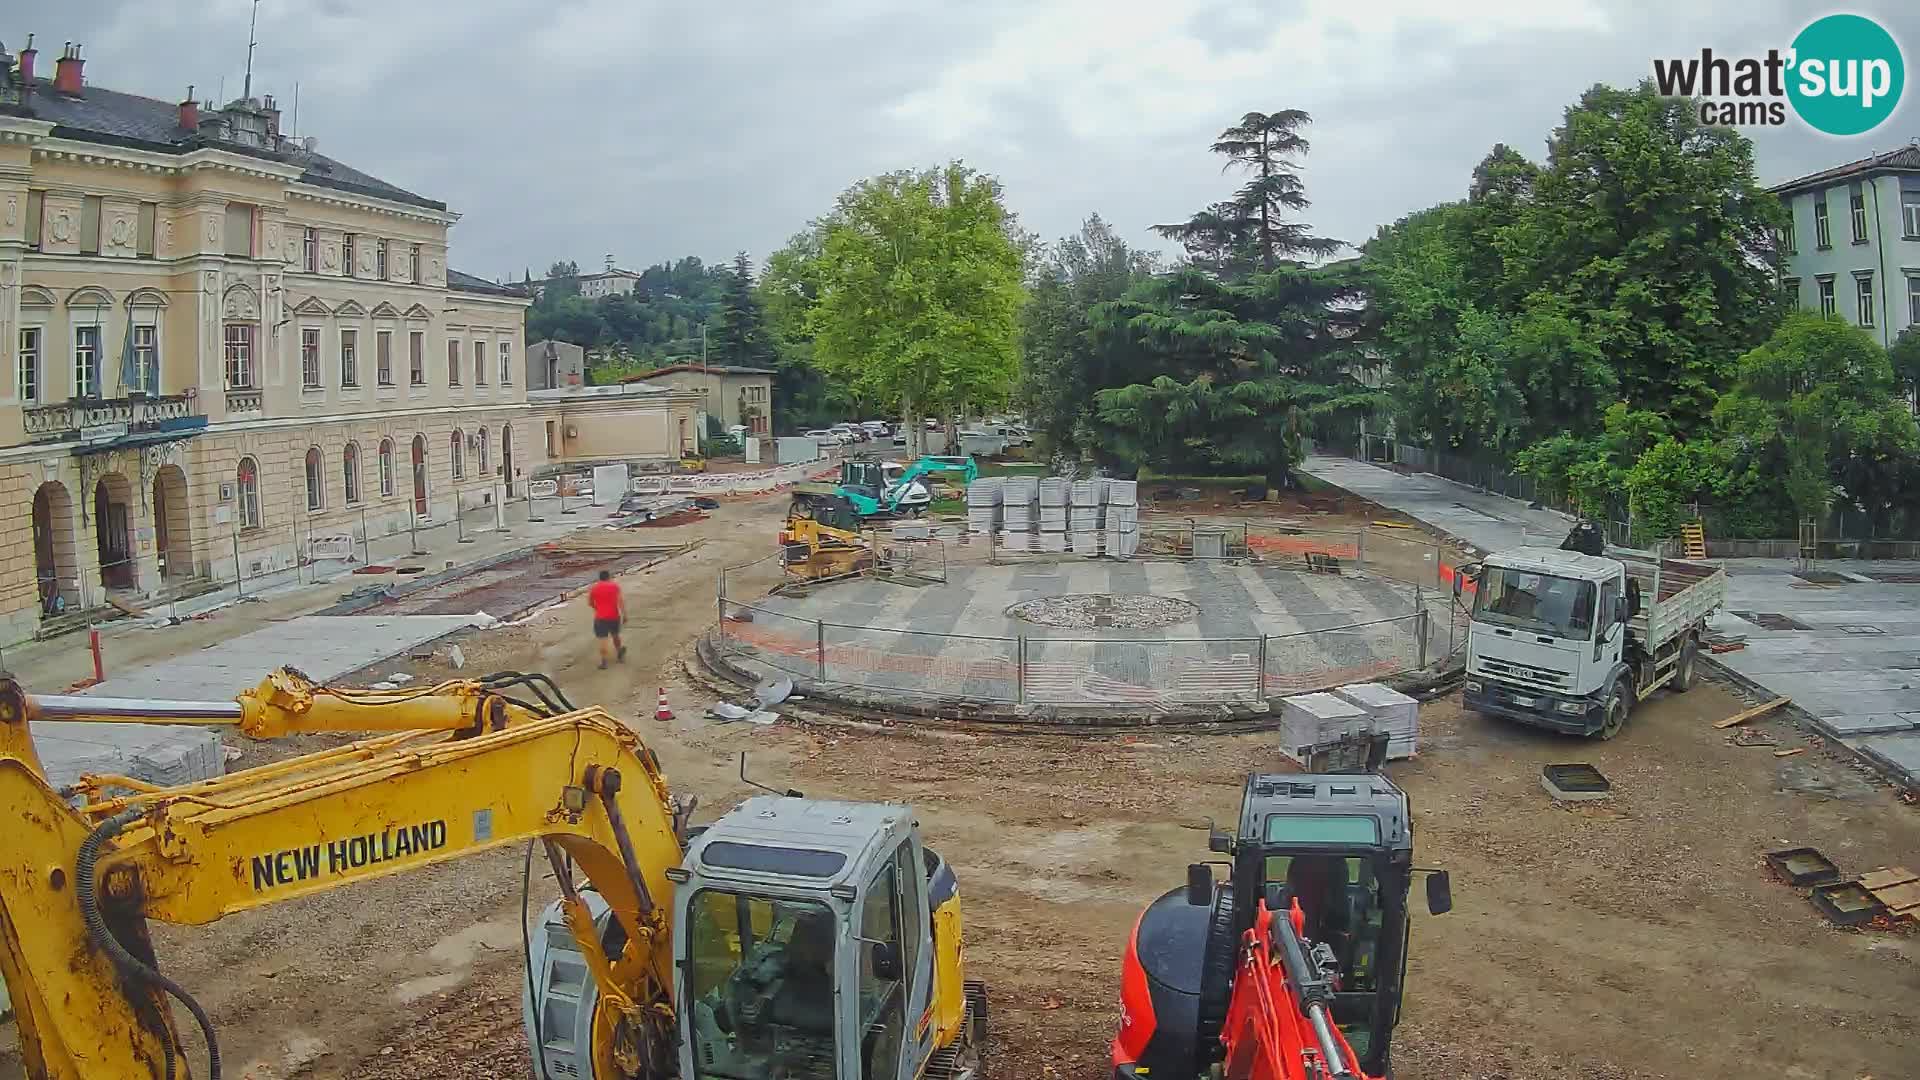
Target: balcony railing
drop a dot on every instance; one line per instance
(243, 401)
(109, 418)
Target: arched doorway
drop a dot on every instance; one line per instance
(420, 476)
(506, 456)
(172, 524)
(112, 538)
(55, 566)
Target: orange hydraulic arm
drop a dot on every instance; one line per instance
(1278, 1026)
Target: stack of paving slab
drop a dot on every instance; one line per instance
(984, 506)
(1088, 515)
(1020, 512)
(1308, 721)
(1388, 711)
(1054, 492)
(1122, 518)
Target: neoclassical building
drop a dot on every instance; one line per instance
(224, 343)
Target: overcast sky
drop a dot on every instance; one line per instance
(651, 130)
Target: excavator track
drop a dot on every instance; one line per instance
(966, 1058)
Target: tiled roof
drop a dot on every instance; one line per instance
(460, 282)
(1905, 158)
(109, 116)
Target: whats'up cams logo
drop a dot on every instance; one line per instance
(1843, 75)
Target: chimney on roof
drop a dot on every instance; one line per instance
(190, 111)
(26, 65)
(271, 110)
(66, 70)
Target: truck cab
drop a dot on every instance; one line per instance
(1571, 641)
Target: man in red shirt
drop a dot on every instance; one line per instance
(609, 612)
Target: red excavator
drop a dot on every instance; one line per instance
(1293, 968)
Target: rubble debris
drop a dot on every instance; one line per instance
(1745, 715)
(773, 692)
(400, 678)
(457, 658)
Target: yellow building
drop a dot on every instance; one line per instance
(737, 396)
(224, 344)
(624, 424)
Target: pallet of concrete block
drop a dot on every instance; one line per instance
(1021, 542)
(1123, 493)
(1054, 491)
(1123, 531)
(1391, 712)
(1019, 499)
(1315, 720)
(1086, 542)
(983, 505)
(1053, 518)
(1088, 494)
(1052, 542)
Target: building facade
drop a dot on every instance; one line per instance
(1852, 248)
(224, 348)
(737, 395)
(555, 365)
(631, 424)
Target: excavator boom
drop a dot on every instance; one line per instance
(1278, 1026)
(77, 884)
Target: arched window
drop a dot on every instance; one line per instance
(247, 492)
(480, 455)
(459, 465)
(316, 480)
(386, 468)
(350, 472)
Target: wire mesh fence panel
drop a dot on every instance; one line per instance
(779, 641)
(1402, 555)
(1146, 673)
(950, 666)
(1336, 656)
(1195, 540)
(921, 560)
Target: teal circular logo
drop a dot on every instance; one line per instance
(1847, 75)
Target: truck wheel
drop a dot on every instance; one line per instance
(1614, 714)
(1683, 669)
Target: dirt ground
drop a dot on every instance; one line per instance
(1640, 937)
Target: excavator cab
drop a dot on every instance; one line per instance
(812, 940)
(1338, 846)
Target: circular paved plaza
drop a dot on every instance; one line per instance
(1155, 634)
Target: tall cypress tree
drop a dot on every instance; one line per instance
(739, 336)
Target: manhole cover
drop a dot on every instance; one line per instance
(1088, 611)
(1823, 577)
(1772, 620)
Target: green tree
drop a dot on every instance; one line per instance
(1252, 231)
(1061, 365)
(738, 335)
(1239, 369)
(919, 291)
(1815, 411)
(1656, 235)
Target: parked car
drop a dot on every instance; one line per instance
(879, 429)
(852, 432)
(821, 436)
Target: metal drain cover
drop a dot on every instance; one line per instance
(1577, 782)
(1772, 620)
(1861, 629)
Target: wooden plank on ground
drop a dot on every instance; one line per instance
(1747, 714)
(1900, 899)
(1790, 753)
(1886, 877)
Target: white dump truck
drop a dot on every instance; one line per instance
(1572, 642)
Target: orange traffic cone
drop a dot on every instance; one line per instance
(663, 711)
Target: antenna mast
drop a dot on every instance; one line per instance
(252, 22)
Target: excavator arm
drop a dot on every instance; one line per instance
(1278, 1023)
(78, 884)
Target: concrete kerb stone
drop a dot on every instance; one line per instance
(1893, 772)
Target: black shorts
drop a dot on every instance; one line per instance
(606, 627)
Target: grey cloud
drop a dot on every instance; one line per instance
(652, 130)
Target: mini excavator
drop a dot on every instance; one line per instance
(1293, 968)
(792, 938)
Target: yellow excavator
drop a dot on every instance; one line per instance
(821, 537)
(790, 938)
